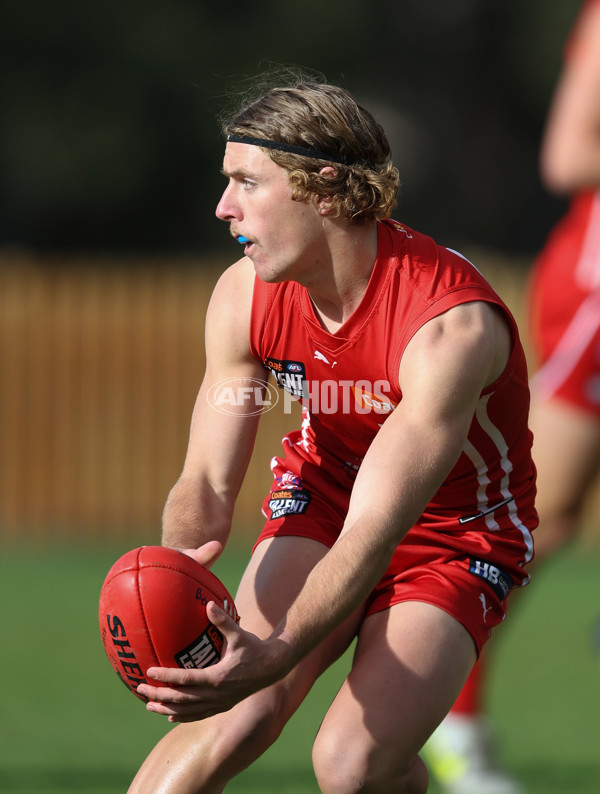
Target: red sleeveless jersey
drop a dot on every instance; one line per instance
(348, 381)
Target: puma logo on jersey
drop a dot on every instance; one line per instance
(318, 355)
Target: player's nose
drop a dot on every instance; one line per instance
(227, 208)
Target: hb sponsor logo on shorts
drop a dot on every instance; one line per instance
(499, 581)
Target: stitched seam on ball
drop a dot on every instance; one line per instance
(220, 596)
(143, 611)
(133, 567)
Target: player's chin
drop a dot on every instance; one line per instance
(268, 270)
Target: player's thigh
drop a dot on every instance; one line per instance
(273, 578)
(411, 663)
(566, 451)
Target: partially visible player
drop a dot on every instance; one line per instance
(401, 511)
(564, 313)
(565, 297)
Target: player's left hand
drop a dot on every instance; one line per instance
(207, 554)
(247, 664)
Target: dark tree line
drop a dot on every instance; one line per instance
(110, 141)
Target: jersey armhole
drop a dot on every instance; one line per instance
(455, 297)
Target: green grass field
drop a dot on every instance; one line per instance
(68, 726)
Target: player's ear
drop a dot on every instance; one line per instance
(328, 171)
(324, 202)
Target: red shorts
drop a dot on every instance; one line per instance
(467, 573)
(564, 310)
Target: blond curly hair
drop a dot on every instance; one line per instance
(326, 120)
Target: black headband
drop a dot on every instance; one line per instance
(288, 147)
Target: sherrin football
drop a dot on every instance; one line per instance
(153, 614)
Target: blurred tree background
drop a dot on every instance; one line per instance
(110, 142)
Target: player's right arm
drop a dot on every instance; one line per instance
(570, 155)
(200, 505)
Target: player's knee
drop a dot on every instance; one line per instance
(346, 767)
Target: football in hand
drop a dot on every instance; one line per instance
(153, 614)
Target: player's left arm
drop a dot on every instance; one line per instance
(443, 371)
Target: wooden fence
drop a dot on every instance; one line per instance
(100, 364)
